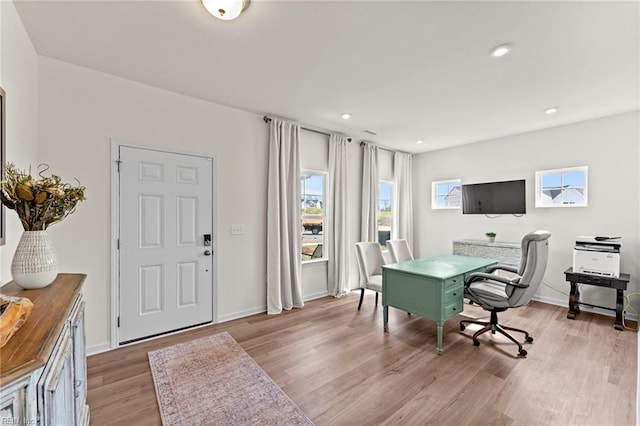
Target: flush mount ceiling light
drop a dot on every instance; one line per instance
(225, 9)
(346, 115)
(551, 110)
(419, 141)
(500, 51)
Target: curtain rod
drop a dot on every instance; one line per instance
(381, 147)
(268, 119)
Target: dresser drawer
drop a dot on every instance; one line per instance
(453, 309)
(453, 294)
(454, 281)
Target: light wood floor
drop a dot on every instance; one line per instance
(340, 368)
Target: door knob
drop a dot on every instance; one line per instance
(207, 252)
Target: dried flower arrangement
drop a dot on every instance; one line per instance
(41, 202)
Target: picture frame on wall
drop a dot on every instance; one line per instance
(3, 113)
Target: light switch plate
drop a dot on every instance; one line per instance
(237, 229)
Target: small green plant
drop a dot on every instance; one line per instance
(490, 234)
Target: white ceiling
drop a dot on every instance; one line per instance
(405, 70)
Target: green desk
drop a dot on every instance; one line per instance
(431, 287)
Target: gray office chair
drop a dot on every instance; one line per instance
(399, 250)
(370, 261)
(495, 293)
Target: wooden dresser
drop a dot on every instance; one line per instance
(43, 367)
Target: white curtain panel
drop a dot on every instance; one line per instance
(283, 218)
(337, 205)
(403, 201)
(369, 227)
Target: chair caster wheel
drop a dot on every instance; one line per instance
(476, 343)
(523, 353)
(462, 327)
(529, 339)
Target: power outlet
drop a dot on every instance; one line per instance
(237, 229)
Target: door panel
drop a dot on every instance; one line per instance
(166, 279)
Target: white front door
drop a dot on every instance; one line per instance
(165, 237)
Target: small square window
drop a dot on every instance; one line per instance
(446, 194)
(562, 187)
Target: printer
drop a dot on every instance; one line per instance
(597, 256)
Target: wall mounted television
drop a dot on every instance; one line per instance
(506, 197)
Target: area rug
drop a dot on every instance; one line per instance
(213, 381)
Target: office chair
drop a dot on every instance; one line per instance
(370, 261)
(399, 250)
(495, 293)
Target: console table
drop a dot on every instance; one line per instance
(43, 379)
(505, 253)
(620, 284)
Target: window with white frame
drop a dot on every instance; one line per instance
(312, 186)
(385, 212)
(562, 187)
(446, 194)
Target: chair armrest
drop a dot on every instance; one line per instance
(477, 276)
(502, 268)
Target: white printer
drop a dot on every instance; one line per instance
(597, 256)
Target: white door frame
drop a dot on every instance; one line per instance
(115, 231)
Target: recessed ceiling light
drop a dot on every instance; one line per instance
(419, 141)
(500, 50)
(551, 110)
(346, 115)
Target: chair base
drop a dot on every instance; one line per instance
(493, 326)
(362, 298)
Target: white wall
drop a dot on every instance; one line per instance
(19, 79)
(609, 146)
(81, 109)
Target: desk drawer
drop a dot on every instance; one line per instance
(453, 309)
(454, 281)
(453, 294)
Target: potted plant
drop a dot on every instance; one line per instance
(491, 236)
(39, 203)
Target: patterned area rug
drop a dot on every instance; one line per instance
(213, 381)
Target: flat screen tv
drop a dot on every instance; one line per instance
(494, 198)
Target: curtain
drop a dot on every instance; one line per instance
(283, 218)
(403, 201)
(369, 229)
(337, 212)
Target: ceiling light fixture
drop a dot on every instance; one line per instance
(419, 141)
(499, 51)
(551, 110)
(225, 9)
(346, 115)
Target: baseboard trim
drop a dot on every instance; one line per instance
(241, 314)
(99, 348)
(564, 302)
(314, 296)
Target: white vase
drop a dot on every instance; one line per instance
(35, 264)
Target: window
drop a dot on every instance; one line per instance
(562, 187)
(385, 214)
(446, 194)
(312, 214)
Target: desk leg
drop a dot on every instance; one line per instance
(574, 301)
(440, 324)
(619, 307)
(385, 316)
